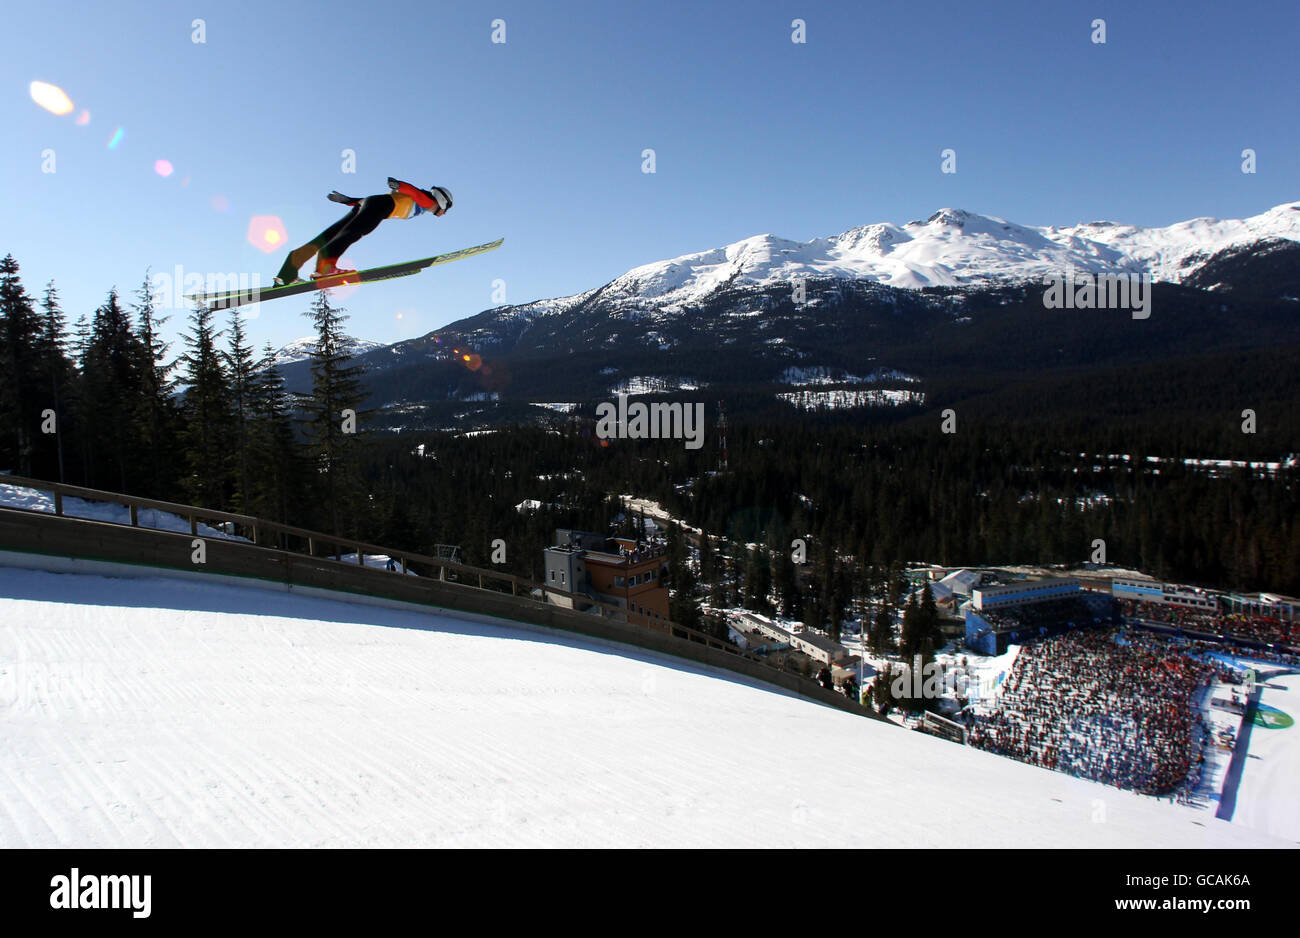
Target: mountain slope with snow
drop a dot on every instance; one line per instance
(1174, 252)
(150, 712)
(952, 248)
(301, 349)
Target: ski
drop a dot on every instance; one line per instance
(262, 294)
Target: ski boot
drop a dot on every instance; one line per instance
(325, 267)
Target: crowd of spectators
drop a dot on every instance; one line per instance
(1115, 706)
(1201, 645)
(1255, 628)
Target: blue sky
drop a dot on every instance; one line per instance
(540, 138)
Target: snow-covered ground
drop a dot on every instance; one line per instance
(841, 399)
(377, 561)
(1214, 468)
(152, 712)
(1267, 798)
(654, 384)
(652, 509)
(15, 496)
(807, 375)
(1085, 570)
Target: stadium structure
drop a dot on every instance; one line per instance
(998, 616)
(1198, 599)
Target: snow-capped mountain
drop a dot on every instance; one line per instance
(728, 316)
(951, 248)
(300, 349)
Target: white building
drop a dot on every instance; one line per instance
(763, 625)
(818, 647)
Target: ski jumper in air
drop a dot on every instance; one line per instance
(405, 201)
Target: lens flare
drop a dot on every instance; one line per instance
(266, 233)
(83, 118)
(114, 140)
(50, 97)
(345, 289)
(220, 203)
(163, 168)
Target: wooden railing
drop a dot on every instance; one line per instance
(258, 532)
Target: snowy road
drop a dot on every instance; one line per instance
(152, 712)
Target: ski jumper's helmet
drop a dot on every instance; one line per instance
(441, 196)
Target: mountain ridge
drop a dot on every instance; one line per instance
(730, 318)
(954, 247)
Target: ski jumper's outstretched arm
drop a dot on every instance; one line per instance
(421, 198)
(411, 200)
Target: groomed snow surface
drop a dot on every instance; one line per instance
(154, 712)
(1267, 798)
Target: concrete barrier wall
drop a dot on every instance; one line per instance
(54, 542)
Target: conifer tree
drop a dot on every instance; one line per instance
(708, 561)
(882, 631)
(785, 581)
(208, 418)
(758, 580)
(928, 618)
(157, 417)
(276, 466)
(911, 636)
(21, 387)
(683, 606)
(54, 353)
(675, 551)
(78, 400)
(336, 387)
(240, 366)
(111, 393)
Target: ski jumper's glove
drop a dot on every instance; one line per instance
(422, 198)
(337, 196)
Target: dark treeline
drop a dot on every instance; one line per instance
(109, 406)
(988, 494)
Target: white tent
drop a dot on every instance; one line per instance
(960, 582)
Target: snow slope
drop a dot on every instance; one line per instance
(1173, 252)
(1266, 797)
(151, 712)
